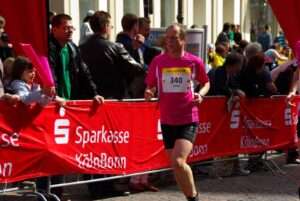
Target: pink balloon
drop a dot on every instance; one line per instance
(40, 63)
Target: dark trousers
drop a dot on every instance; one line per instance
(43, 185)
(292, 153)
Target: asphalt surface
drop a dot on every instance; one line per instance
(258, 186)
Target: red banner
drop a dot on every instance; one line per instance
(124, 137)
(26, 22)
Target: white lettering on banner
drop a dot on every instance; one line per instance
(250, 123)
(6, 169)
(204, 127)
(235, 119)
(199, 150)
(288, 117)
(101, 161)
(159, 133)
(84, 137)
(254, 142)
(7, 140)
(61, 128)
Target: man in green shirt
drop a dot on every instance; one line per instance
(72, 77)
(64, 87)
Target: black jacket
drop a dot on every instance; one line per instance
(148, 52)
(111, 66)
(82, 85)
(1, 79)
(126, 41)
(255, 84)
(223, 37)
(220, 84)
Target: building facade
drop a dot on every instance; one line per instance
(248, 14)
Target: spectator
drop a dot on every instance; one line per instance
(7, 67)
(256, 78)
(6, 48)
(225, 81)
(253, 32)
(72, 78)
(223, 37)
(133, 42)
(23, 86)
(237, 34)
(293, 155)
(6, 96)
(110, 64)
(1, 79)
(85, 29)
(287, 52)
(219, 56)
(145, 55)
(210, 55)
(255, 161)
(280, 39)
(144, 27)
(265, 38)
(252, 49)
(141, 182)
(51, 14)
(242, 46)
(283, 76)
(231, 34)
(273, 56)
(129, 37)
(112, 70)
(2, 25)
(149, 52)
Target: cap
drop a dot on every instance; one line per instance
(90, 13)
(210, 46)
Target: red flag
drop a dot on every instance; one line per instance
(287, 14)
(26, 22)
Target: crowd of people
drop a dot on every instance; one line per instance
(260, 68)
(100, 69)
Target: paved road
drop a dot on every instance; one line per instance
(259, 186)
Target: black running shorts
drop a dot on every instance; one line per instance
(173, 132)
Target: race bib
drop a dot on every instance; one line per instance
(177, 79)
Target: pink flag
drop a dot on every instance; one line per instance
(40, 63)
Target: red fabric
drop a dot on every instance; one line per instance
(287, 14)
(120, 137)
(26, 22)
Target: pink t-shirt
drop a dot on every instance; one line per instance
(174, 78)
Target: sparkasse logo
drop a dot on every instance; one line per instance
(61, 128)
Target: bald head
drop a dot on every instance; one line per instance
(252, 49)
(175, 40)
(178, 28)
